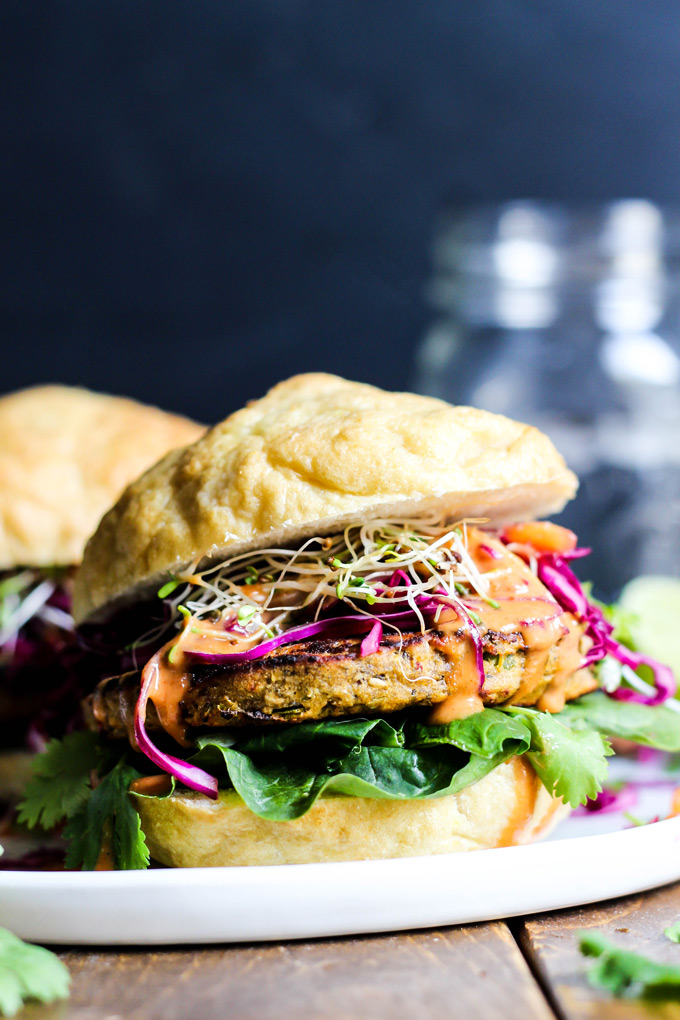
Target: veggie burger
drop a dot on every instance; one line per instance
(341, 633)
(65, 455)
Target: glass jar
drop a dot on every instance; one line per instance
(569, 319)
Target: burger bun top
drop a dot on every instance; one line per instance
(65, 455)
(313, 455)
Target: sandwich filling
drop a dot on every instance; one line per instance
(383, 618)
(401, 659)
(425, 622)
(39, 654)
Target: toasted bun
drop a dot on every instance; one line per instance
(507, 807)
(65, 456)
(316, 453)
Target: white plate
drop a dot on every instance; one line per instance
(587, 859)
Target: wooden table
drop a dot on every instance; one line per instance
(525, 969)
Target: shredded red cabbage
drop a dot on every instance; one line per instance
(371, 642)
(190, 775)
(561, 581)
(43, 674)
(609, 800)
(399, 579)
(334, 626)
(649, 755)
(492, 553)
(664, 679)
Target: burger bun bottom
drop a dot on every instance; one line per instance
(508, 806)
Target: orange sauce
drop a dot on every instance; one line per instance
(466, 699)
(169, 681)
(525, 787)
(152, 786)
(105, 861)
(675, 803)
(170, 669)
(522, 606)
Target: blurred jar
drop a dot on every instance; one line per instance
(570, 319)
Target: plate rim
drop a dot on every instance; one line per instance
(50, 880)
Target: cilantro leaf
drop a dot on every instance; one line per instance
(61, 790)
(108, 817)
(621, 972)
(28, 972)
(571, 764)
(673, 932)
(61, 780)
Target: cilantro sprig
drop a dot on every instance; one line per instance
(61, 780)
(107, 820)
(29, 972)
(571, 763)
(78, 782)
(622, 972)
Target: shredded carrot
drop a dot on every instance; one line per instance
(544, 536)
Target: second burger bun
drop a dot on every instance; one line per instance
(509, 806)
(66, 455)
(315, 454)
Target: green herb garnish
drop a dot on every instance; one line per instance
(29, 973)
(622, 972)
(168, 587)
(61, 790)
(246, 613)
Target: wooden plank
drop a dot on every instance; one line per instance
(634, 922)
(477, 971)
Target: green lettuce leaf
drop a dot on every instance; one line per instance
(624, 973)
(28, 972)
(673, 932)
(346, 733)
(622, 620)
(334, 759)
(488, 733)
(651, 726)
(279, 773)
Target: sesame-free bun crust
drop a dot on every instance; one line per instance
(65, 455)
(507, 807)
(316, 453)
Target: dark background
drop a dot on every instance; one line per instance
(203, 197)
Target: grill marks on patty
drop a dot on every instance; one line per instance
(327, 677)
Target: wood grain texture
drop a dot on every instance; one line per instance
(635, 922)
(471, 972)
